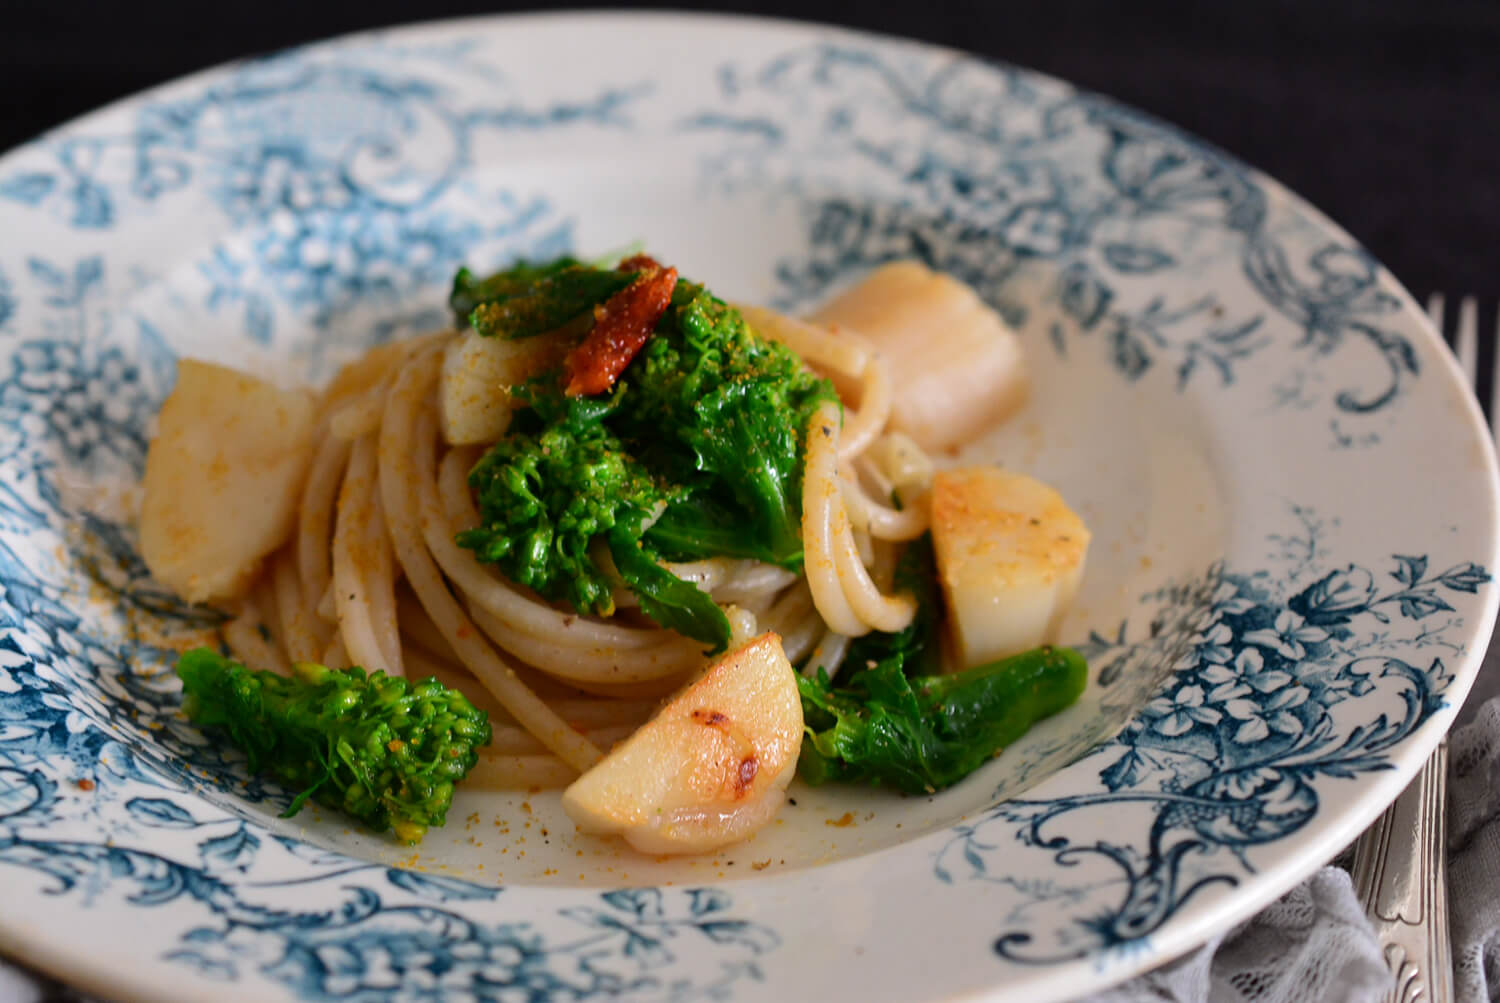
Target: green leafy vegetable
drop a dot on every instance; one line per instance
(704, 430)
(924, 733)
(547, 303)
(670, 601)
(917, 645)
(895, 720)
(706, 526)
(469, 290)
(382, 749)
(547, 490)
(740, 405)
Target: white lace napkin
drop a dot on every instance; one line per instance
(1312, 946)
(1474, 852)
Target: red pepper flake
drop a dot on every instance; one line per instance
(622, 325)
(85, 784)
(842, 822)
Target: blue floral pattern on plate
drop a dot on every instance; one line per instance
(1245, 706)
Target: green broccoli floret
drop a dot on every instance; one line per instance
(546, 493)
(740, 405)
(895, 719)
(557, 484)
(921, 734)
(470, 290)
(382, 749)
(704, 429)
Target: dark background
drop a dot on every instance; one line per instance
(1386, 115)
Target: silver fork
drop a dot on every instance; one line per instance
(1399, 868)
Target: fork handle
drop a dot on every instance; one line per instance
(1400, 875)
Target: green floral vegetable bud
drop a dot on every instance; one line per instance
(382, 749)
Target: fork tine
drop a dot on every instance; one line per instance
(1466, 342)
(1495, 387)
(1435, 313)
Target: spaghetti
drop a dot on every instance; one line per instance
(370, 572)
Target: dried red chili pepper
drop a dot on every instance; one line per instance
(622, 325)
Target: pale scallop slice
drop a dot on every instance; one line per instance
(223, 479)
(1010, 555)
(710, 769)
(475, 399)
(956, 367)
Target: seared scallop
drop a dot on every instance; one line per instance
(223, 479)
(1010, 555)
(710, 769)
(957, 367)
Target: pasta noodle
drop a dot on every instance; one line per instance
(371, 573)
(616, 513)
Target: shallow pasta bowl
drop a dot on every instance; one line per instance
(1291, 495)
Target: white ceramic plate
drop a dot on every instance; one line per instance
(1293, 507)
